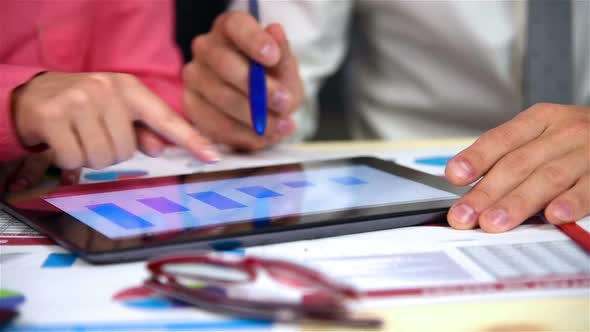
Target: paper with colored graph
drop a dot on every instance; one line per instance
(425, 258)
(175, 161)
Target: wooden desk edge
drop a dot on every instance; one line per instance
(384, 144)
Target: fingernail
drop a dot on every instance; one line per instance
(462, 169)
(280, 99)
(20, 184)
(211, 154)
(563, 212)
(463, 214)
(284, 127)
(268, 51)
(498, 218)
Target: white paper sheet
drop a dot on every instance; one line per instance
(176, 161)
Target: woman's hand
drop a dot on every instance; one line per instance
(87, 119)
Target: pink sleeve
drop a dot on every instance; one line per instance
(137, 37)
(11, 77)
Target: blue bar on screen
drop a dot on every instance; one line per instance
(163, 205)
(349, 180)
(298, 184)
(119, 216)
(216, 200)
(259, 192)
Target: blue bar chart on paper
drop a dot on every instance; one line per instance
(259, 198)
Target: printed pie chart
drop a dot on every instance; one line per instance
(9, 299)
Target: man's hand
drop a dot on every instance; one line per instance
(216, 82)
(87, 119)
(539, 160)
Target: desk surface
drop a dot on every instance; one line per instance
(550, 311)
(385, 145)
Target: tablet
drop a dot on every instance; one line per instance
(140, 218)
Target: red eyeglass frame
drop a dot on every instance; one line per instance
(330, 309)
(250, 266)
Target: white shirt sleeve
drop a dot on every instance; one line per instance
(317, 33)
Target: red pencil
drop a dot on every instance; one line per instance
(578, 234)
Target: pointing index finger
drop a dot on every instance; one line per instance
(155, 113)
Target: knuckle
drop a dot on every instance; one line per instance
(126, 79)
(232, 22)
(50, 112)
(580, 128)
(219, 21)
(188, 72)
(516, 201)
(199, 46)
(78, 96)
(98, 82)
(503, 136)
(555, 175)
(222, 61)
(546, 110)
(516, 163)
(479, 194)
(228, 98)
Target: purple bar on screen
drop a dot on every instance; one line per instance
(163, 205)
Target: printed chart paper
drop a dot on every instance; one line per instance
(60, 292)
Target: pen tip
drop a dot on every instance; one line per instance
(259, 128)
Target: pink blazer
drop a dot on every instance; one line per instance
(130, 36)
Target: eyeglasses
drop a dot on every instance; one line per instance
(256, 288)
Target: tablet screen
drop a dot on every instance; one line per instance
(259, 198)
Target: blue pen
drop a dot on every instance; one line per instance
(257, 86)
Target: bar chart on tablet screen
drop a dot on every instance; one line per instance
(133, 212)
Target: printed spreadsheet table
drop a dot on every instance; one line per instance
(9, 226)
